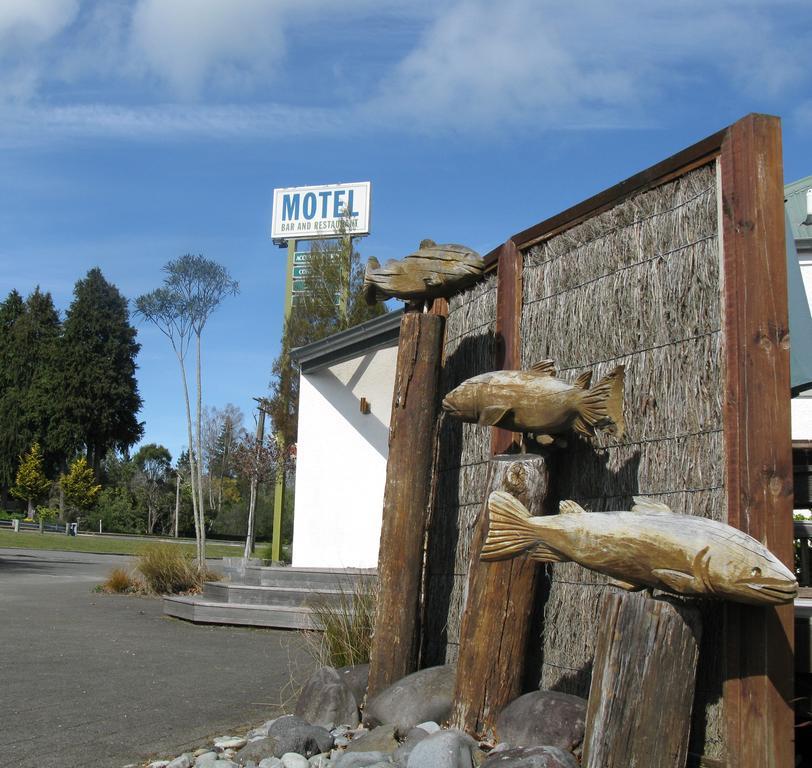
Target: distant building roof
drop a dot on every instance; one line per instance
(381, 331)
(795, 206)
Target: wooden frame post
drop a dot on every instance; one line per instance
(406, 499)
(758, 467)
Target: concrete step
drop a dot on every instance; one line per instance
(301, 578)
(254, 594)
(203, 611)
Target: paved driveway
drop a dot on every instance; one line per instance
(90, 679)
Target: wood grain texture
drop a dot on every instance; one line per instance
(508, 328)
(496, 621)
(758, 458)
(406, 497)
(639, 710)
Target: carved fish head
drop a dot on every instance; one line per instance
(761, 578)
(463, 402)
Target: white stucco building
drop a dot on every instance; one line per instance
(345, 401)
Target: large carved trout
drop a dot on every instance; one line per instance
(648, 546)
(538, 402)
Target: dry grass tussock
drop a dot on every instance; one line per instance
(168, 570)
(120, 582)
(346, 622)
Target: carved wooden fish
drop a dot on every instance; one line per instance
(535, 401)
(434, 271)
(648, 546)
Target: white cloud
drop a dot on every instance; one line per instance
(539, 63)
(191, 43)
(27, 22)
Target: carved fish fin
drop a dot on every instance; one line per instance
(543, 368)
(544, 554)
(492, 415)
(584, 380)
(373, 263)
(629, 586)
(570, 508)
(509, 531)
(645, 506)
(676, 581)
(602, 406)
(583, 427)
(427, 243)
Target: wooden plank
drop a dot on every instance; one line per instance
(508, 328)
(698, 154)
(496, 621)
(643, 677)
(758, 459)
(406, 497)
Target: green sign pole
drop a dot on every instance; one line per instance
(279, 490)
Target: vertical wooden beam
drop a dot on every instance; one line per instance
(643, 677)
(406, 499)
(496, 621)
(758, 457)
(508, 327)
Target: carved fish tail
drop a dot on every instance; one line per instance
(602, 406)
(510, 532)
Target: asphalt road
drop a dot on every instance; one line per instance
(89, 679)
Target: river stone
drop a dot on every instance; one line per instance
(444, 749)
(543, 718)
(531, 757)
(327, 700)
(380, 739)
(293, 734)
(184, 761)
(294, 760)
(206, 759)
(360, 760)
(270, 762)
(421, 696)
(356, 679)
(401, 755)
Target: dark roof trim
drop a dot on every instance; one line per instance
(382, 331)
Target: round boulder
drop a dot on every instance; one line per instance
(530, 757)
(327, 700)
(543, 718)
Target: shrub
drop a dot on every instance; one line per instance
(120, 582)
(345, 625)
(169, 570)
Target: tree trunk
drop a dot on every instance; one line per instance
(192, 464)
(201, 503)
(252, 502)
(501, 598)
(177, 502)
(643, 675)
(406, 499)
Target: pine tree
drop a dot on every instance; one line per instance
(31, 483)
(99, 390)
(29, 333)
(79, 485)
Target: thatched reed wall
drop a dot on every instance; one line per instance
(463, 452)
(638, 285)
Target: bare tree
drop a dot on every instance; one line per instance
(222, 429)
(193, 288)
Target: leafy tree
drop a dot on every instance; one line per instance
(331, 302)
(79, 485)
(154, 464)
(116, 510)
(31, 484)
(222, 431)
(193, 288)
(98, 390)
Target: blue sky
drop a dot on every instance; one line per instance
(133, 132)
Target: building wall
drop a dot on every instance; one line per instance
(802, 405)
(341, 462)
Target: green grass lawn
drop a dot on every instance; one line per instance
(99, 544)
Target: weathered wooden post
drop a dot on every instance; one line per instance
(643, 677)
(499, 605)
(406, 499)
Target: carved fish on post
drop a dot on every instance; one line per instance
(535, 401)
(649, 546)
(434, 271)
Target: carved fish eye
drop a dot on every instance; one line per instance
(756, 571)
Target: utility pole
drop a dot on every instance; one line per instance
(262, 405)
